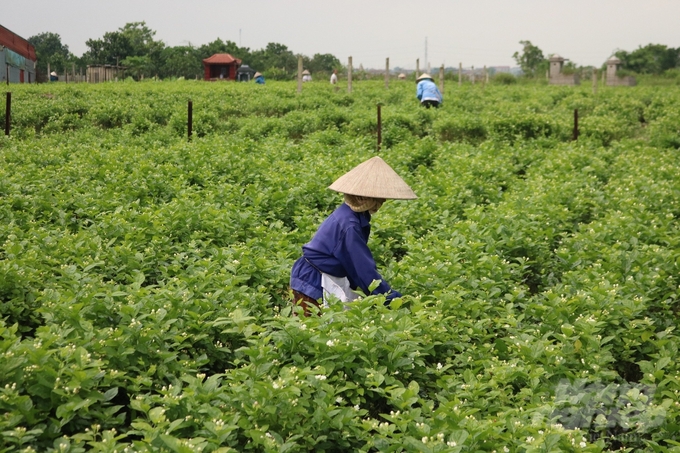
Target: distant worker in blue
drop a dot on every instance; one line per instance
(427, 92)
(337, 261)
(259, 78)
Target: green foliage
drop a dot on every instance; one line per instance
(50, 49)
(650, 59)
(531, 60)
(144, 278)
(505, 78)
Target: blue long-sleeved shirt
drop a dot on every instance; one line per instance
(428, 91)
(259, 80)
(339, 248)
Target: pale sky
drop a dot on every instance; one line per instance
(474, 32)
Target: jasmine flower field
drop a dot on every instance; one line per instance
(144, 278)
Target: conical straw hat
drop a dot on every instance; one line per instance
(305, 72)
(423, 76)
(373, 178)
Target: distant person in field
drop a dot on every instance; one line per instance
(334, 77)
(259, 78)
(337, 261)
(427, 92)
(306, 76)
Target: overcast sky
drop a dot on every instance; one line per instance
(474, 32)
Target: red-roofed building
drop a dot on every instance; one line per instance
(221, 66)
(17, 58)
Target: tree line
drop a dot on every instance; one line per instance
(656, 59)
(134, 47)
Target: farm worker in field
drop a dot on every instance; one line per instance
(337, 260)
(259, 78)
(334, 77)
(306, 76)
(427, 92)
(53, 76)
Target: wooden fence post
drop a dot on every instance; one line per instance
(417, 67)
(441, 79)
(48, 72)
(387, 73)
(8, 113)
(575, 134)
(379, 127)
(299, 74)
(349, 75)
(190, 119)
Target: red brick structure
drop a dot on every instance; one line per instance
(17, 58)
(221, 66)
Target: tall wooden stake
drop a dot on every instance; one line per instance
(441, 79)
(417, 67)
(299, 79)
(387, 73)
(8, 113)
(379, 128)
(349, 75)
(575, 134)
(190, 119)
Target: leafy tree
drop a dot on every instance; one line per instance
(50, 49)
(135, 39)
(219, 46)
(181, 61)
(275, 55)
(531, 60)
(111, 49)
(324, 62)
(142, 43)
(137, 66)
(651, 59)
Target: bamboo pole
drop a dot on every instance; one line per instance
(349, 75)
(299, 74)
(441, 79)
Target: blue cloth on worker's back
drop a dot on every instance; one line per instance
(339, 248)
(260, 80)
(427, 91)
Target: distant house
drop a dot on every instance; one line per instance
(221, 66)
(17, 58)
